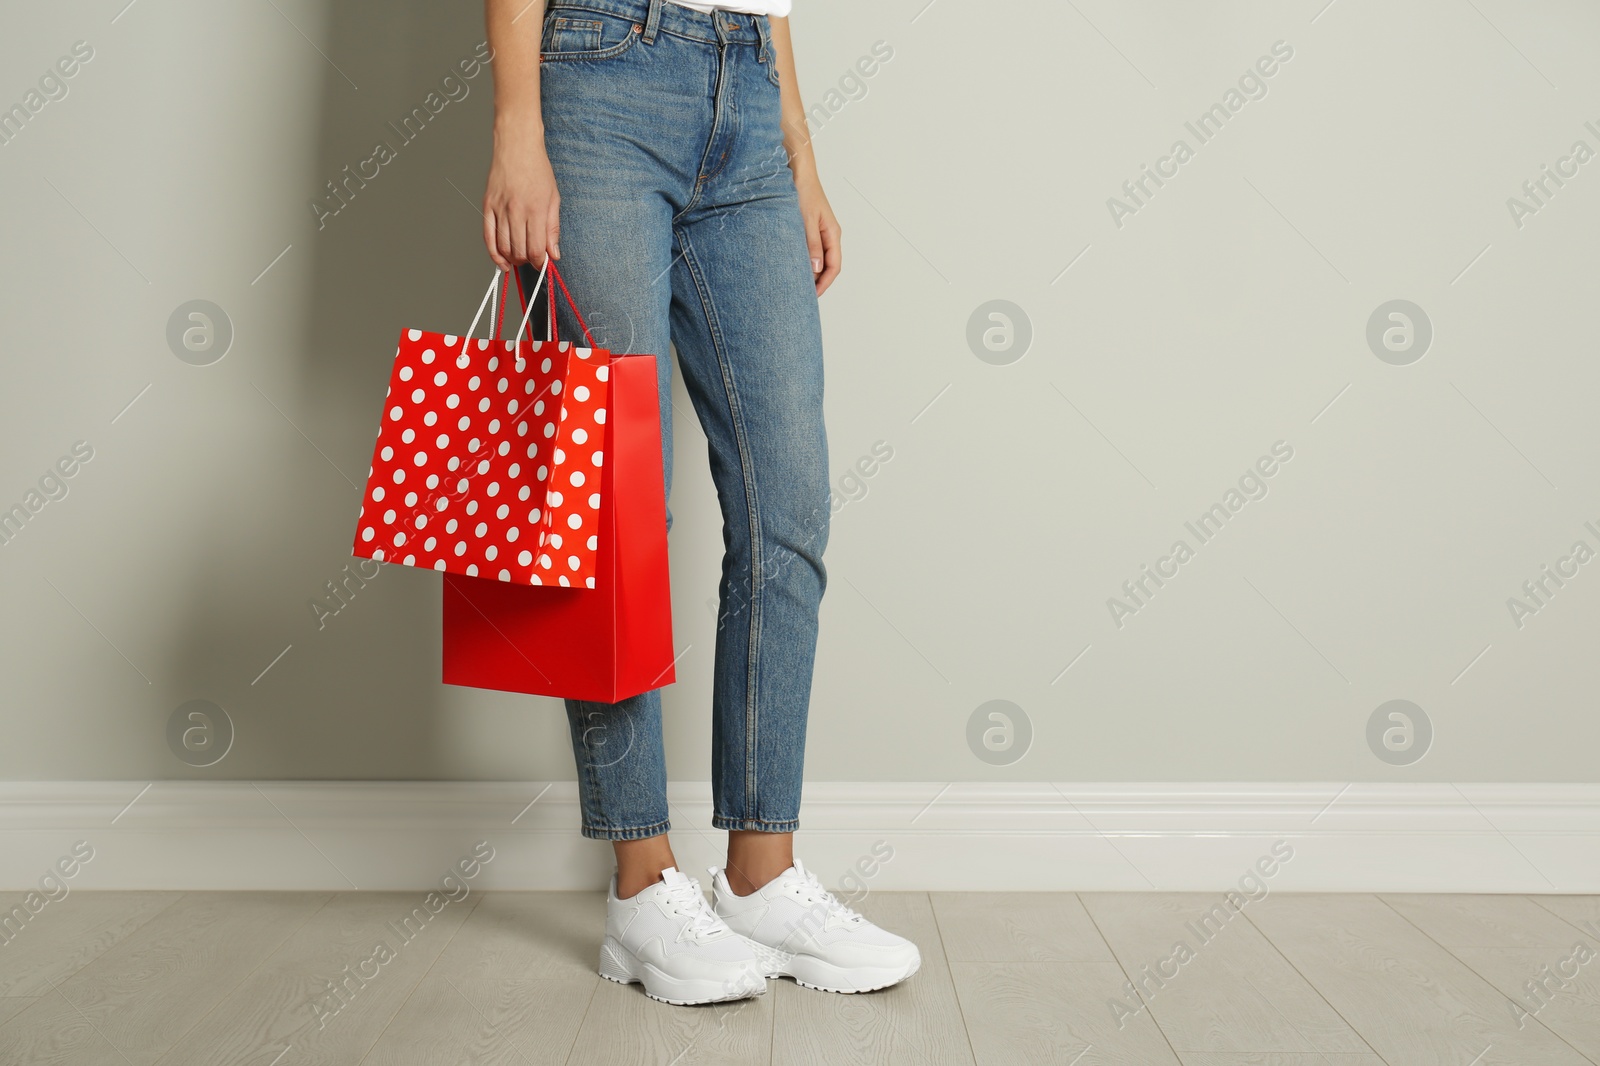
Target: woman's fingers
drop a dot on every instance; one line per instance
(832, 254)
(490, 241)
(521, 219)
(516, 236)
(814, 244)
(538, 241)
(503, 236)
(519, 236)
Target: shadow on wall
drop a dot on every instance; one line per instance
(392, 233)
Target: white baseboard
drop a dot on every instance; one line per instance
(398, 835)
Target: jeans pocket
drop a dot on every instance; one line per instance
(587, 35)
(572, 35)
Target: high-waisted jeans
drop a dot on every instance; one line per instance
(680, 222)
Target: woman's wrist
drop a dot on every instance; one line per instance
(804, 169)
(518, 127)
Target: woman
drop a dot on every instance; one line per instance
(689, 199)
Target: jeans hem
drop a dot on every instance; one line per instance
(723, 821)
(625, 832)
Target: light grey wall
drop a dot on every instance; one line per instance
(1169, 352)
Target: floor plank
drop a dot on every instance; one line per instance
(11, 1006)
(1486, 921)
(1277, 1058)
(624, 1025)
(1539, 961)
(330, 989)
(1582, 912)
(1051, 1014)
(133, 1002)
(1409, 998)
(475, 1022)
(512, 987)
(508, 979)
(915, 1022)
(1235, 993)
(1568, 1006)
(1017, 927)
(67, 935)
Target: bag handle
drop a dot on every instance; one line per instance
(466, 338)
(501, 281)
(550, 321)
(575, 312)
(528, 303)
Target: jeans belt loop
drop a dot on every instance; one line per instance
(651, 21)
(765, 31)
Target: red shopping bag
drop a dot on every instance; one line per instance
(489, 455)
(604, 642)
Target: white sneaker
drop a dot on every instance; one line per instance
(802, 930)
(668, 939)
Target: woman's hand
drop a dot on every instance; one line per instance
(521, 207)
(822, 231)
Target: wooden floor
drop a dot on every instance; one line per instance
(1292, 980)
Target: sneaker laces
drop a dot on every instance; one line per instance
(686, 901)
(814, 892)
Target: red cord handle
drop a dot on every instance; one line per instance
(522, 298)
(576, 313)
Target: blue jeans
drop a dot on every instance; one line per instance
(680, 222)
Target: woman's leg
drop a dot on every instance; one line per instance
(745, 319)
(746, 324)
(622, 784)
(622, 777)
(755, 858)
(678, 211)
(612, 132)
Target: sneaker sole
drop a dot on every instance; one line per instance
(619, 964)
(810, 972)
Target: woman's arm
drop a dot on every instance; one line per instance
(822, 229)
(521, 208)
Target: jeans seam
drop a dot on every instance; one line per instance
(589, 779)
(753, 517)
(724, 116)
(734, 116)
(625, 832)
(728, 821)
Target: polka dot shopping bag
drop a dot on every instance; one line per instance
(542, 499)
(490, 455)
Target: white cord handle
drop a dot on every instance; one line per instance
(532, 296)
(492, 294)
(494, 283)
